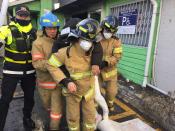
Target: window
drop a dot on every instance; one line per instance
(143, 25)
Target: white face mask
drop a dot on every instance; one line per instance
(85, 45)
(107, 35)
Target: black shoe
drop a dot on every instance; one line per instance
(111, 109)
(28, 123)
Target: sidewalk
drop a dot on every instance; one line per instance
(14, 119)
(152, 104)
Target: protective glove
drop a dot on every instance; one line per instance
(103, 64)
(65, 82)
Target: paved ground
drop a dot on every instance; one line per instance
(14, 119)
(151, 104)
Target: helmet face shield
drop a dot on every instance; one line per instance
(87, 29)
(110, 23)
(109, 28)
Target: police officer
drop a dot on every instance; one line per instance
(18, 37)
(112, 52)
(80, 89)
(49, 92)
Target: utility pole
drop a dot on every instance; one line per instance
(3, 13)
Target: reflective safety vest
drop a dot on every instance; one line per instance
(18, 43)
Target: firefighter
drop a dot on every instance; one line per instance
(79, 87)
(63, 41)
(49, 91)
(112, 52)
(18, 37)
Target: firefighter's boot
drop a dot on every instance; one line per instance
(111, 105)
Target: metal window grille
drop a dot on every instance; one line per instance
(141, 36)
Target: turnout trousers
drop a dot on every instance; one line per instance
(52, 102)
(111, 90)
(73, 114)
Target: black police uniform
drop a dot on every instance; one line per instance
(18, 68)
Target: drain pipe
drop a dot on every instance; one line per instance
(3, 12)
(150, 43)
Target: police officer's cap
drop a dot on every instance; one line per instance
(22, 10)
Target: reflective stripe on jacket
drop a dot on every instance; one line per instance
(53, 61)
(80, 75)
(46, 85)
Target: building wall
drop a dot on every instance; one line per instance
(46, 4)
(164, 67)
(110, 3)
(80, 12)
(35, 11)
(61, 18)
(34, 6)
(132, 64)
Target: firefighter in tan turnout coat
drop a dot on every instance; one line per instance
(112, 52)
(80, 89)
(49, 92)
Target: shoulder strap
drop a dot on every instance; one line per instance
(15, 32)
(68, 50)
(115, 37)
(33, 34)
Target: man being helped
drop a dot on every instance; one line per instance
(18, 37)
(112, 52)
(63, 41)
(49, 91)
(77, 60)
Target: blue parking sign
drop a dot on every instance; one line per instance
(127, 21)
(128, 17)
